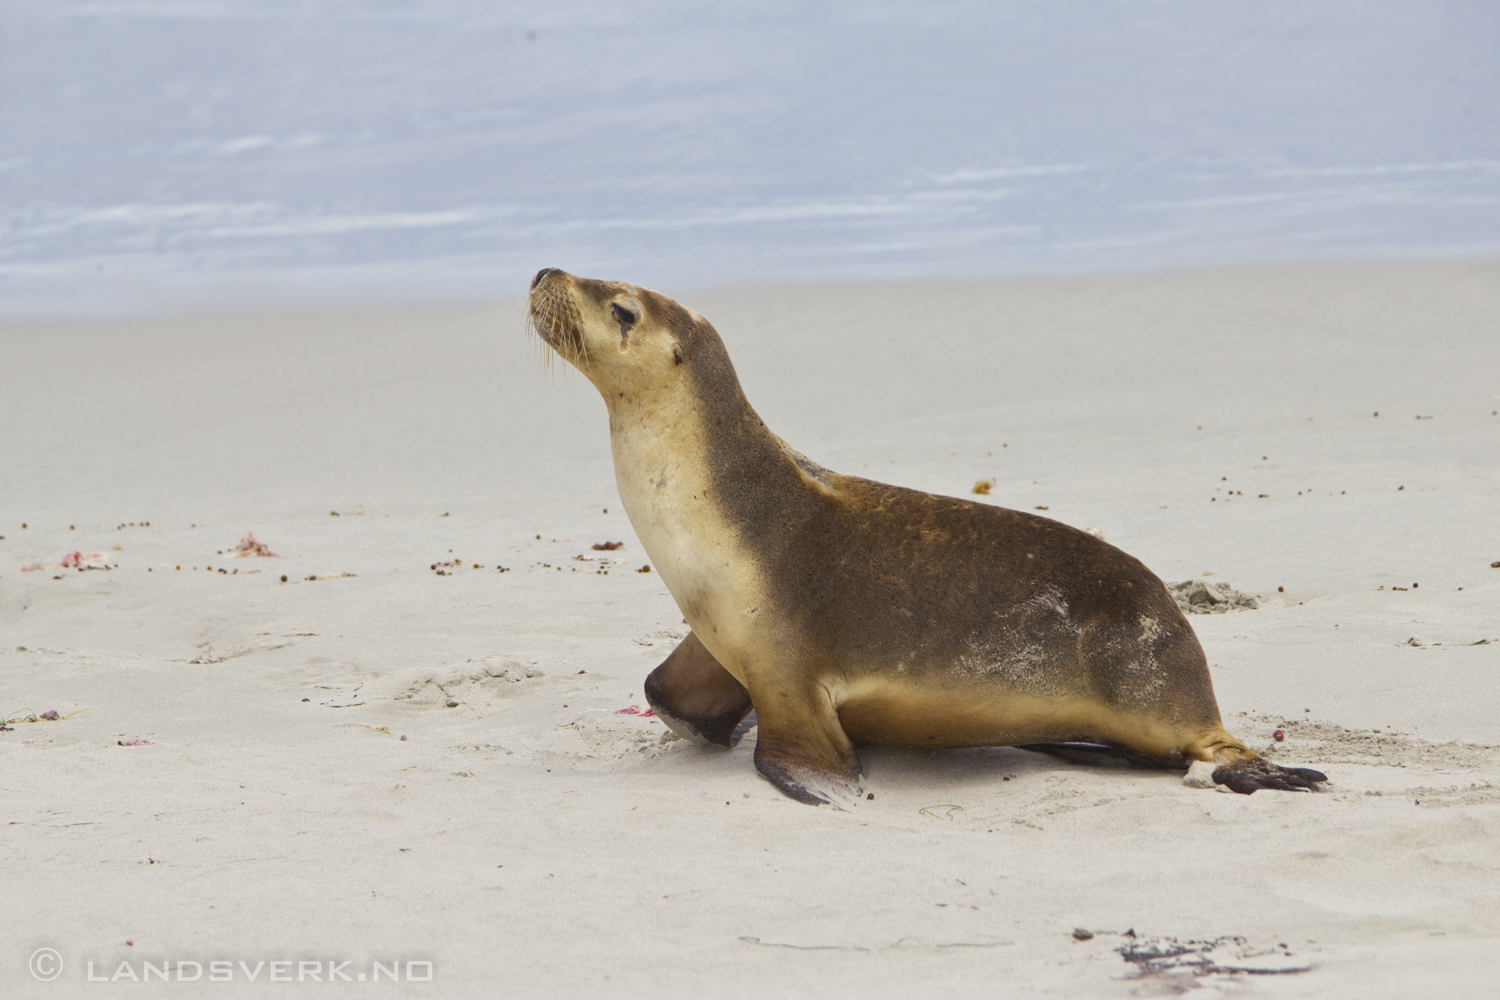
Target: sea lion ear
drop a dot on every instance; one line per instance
(677, 353)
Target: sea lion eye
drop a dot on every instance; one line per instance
(624, 315)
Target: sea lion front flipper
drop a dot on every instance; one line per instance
(1250, 775)
(695, 696)
(805, 753)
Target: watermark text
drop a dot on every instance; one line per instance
(47, 964)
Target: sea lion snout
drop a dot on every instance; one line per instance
(553, 315)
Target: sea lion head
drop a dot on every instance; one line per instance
(624, 338)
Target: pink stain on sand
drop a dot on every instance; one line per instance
(635, 710)
(73, 560)
(251, 546)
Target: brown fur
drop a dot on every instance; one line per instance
(847, 609)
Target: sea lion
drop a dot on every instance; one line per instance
(844, 610)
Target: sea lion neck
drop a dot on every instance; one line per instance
(692, 456)
(737, 442)
(705, 408)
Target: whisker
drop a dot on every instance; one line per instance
(528, 320)
(554, 320)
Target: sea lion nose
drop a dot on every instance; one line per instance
(542, 274)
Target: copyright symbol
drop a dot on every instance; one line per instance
(46, 964)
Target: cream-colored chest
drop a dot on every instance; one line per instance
(661, 471)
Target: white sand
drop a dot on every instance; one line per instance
(531, 842)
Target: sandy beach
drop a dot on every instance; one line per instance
(406, 738)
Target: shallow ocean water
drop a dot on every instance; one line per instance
(159, 154)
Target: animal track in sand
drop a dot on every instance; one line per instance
(1321, 743)
(1199, 597)
(478, 682)
(601, 739)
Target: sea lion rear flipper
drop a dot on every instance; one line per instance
(807, 755)
(1242, 770)
(695, 696)
(1251, 775)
